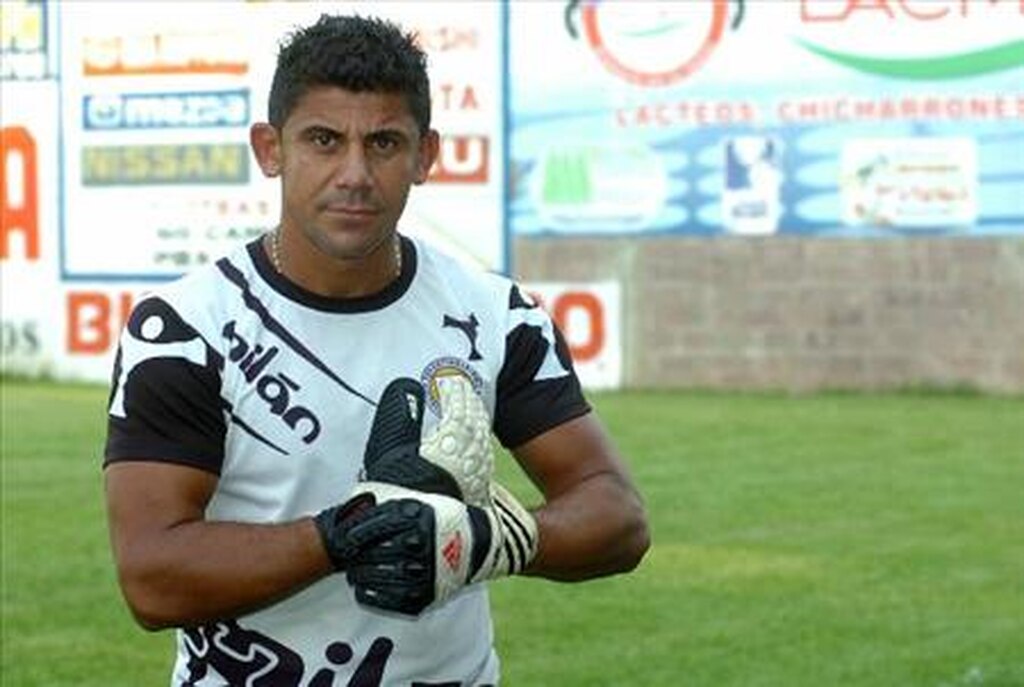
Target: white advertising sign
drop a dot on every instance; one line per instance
(910, 182)
(124, 156)
(157, 108)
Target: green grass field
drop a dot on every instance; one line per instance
(836, 540)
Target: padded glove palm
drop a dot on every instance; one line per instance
(450, 525)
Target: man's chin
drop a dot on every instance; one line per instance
(348, 244)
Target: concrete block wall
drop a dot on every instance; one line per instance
(805, 314)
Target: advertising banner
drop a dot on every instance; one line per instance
(28, 40)
(50, 327)
(29, 297)
(124, 155)
(156, 106)
(748, 117)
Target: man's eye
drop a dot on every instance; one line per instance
(384, 143)
(324, 139)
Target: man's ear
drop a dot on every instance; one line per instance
(430, 144)
(265, 143)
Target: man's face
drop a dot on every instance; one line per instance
(347, 161)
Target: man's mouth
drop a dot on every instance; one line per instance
(352, 210)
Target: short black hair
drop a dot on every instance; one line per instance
(359, 54)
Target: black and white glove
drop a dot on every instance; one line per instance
(452, 525)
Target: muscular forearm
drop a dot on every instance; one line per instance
(198, 571)
(597, 528)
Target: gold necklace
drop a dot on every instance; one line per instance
(398, 255)
(275, 249)
(275, 252)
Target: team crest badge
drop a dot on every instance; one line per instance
(441, 369)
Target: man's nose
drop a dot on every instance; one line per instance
(353, 170)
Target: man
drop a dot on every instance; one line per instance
(268, 491)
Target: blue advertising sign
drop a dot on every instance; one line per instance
(733, 117)
(189, 109)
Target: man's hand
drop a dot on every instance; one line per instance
(461, 443)
(452, 524)
(426, 547)
(455, 459)
(360, 523)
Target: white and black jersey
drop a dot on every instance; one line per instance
(239, 372)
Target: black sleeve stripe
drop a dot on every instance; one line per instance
(173, 412)
(526, 407)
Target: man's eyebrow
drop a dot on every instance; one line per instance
(388, 131)
(317, 128)
(383, 130)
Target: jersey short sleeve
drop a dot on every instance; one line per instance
(165, 402)
(537, 386)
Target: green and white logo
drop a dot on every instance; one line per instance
(980, 62)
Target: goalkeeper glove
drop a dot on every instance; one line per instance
(454, 525)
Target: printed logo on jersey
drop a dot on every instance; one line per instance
(274, 387)
(240, 656)
(469, 327)
(161, 334)
(441, 369)
(520, 299)
(235, 276)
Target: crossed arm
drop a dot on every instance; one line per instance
(592, 522)
(178, 569)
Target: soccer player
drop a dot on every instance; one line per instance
(294, 469)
